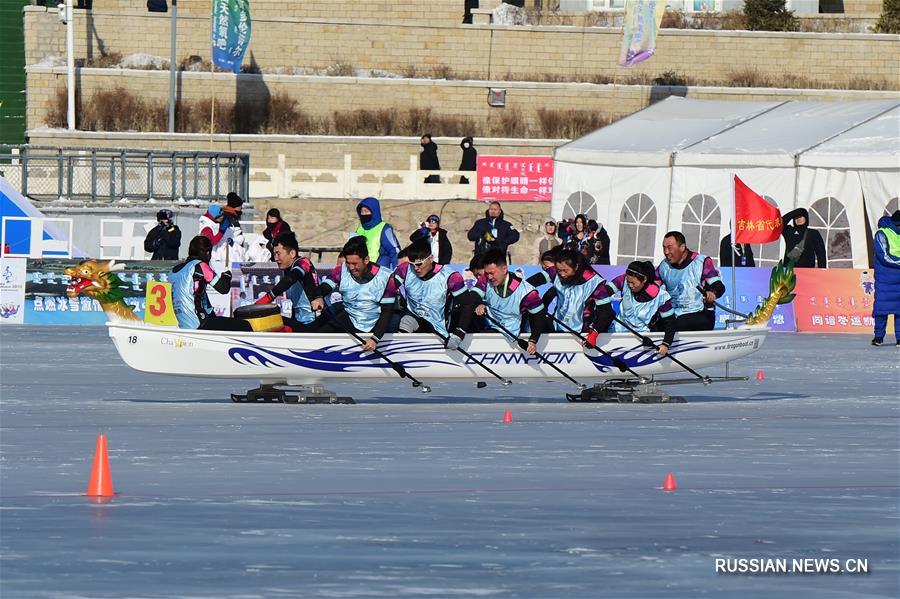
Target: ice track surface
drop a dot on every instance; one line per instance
(412, 495)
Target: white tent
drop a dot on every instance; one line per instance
(669, 166)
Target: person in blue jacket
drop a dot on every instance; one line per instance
(887, 276)
(380, 237)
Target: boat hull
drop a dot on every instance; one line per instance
(311, 358)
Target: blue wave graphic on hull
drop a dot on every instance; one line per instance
(638, 355)
(334, 358)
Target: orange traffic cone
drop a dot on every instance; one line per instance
(507, 417)
(101, 484)
(669, 484)
(760, 376)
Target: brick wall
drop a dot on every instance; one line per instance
(320, 96)
(481, 52)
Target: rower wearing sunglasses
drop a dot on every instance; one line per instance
(430, 289)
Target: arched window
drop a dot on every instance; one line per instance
(827, 215)
(892, 206)
(637, 229)
(701, 222)
(580, 203)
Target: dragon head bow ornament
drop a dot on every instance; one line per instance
(98, 281)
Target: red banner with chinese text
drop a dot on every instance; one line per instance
(834, 300)
(515, 178)
(756, 221)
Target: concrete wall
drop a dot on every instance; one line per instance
(321, 96)
(480, 52)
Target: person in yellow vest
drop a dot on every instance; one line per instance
(887, 276)
(380, 237)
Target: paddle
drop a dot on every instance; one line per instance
(397, 367)
(724, 308)
(648, 342)
(505, 382)
(523, 345)
(617, 362)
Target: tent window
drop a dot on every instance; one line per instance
(580, 203)
(828, 216)
(701, 222)
(637, 229)
(892, 205)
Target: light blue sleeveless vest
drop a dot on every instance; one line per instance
(301, 307)
(638, 314)
(428, 299)
(505, 310)
(183, 297)
(362, 300)
(682, 285)
(570, 300)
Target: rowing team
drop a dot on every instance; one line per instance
(421, 296)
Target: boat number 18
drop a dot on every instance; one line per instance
(132, 339)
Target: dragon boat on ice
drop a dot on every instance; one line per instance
(292, 367)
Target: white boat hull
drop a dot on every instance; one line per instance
(300, 359)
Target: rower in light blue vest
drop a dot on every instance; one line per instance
(581, 294)
(368, 294)
(299, 282)
(507, 298)
(430, 289)
(683, 271)
(646, 306)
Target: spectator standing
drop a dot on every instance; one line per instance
(226, 240)
(546, 241)
(431, 231)
(163, 240)
(803, 245)
(469, 158)
(381, 240)
(887, 276)
(492, 231)
(275, 226)
(599, 246)
(735, 255)
(428, 159)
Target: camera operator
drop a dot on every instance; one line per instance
(163, 240)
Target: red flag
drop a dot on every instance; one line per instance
(756, 221)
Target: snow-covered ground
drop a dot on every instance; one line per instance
(411, 495)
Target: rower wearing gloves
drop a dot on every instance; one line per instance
(683, 271)
(299, 281)
(368, 291)
(510, 304)
(582, 296)
(190, 280)
(430, 289)
(645, 306)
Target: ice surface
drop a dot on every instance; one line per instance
(412, 495)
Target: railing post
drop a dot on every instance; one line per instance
(150, 175)
(124, 177)
(93, 175)
(172, 159)
(183, 176)
(347, 182)
(24, 161)
(60, 170)
(69, 176)
(112, 178)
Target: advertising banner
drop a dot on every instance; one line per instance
(834, 300)
(515, 178)
(12, 290)
(642, 20)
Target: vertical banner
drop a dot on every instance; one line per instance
(12, 290)
(642, 19)
(515, 178)
(230, 33)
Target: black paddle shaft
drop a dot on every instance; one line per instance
(480, 363)
(645, 340)
(617, 362)
(540, 356)
(397, 367)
